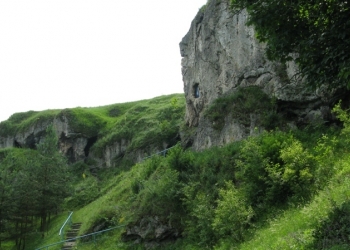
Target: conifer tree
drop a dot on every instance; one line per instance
(52, 177)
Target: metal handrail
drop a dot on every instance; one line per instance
(159, 153)
(64, 224)
(79, 237)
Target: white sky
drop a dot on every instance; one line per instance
(57, 54)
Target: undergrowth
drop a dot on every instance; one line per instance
(276, 190)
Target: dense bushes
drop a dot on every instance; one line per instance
(233, 215)
(333, 232)
(33, 185)
(241, 104)
(274, 167)
(224, 192)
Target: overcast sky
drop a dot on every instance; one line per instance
(57, 54)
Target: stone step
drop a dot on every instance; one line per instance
(70, 235)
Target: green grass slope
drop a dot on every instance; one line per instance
(194, 193)
(275, 190)
(202, 195)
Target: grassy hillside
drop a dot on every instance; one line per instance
(303, 203)
(275, 190)
(146, 125)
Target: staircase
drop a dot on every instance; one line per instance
(71, 234)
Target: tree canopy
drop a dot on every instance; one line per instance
(314, 33)
(33, 185)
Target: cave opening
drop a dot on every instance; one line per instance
(17, 144)
(196, 90)
(91, 141)
(31, 141)
(70, 155)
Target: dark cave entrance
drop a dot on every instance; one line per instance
(196, 93)
(91, 141)
(16, 144)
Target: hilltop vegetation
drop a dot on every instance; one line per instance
(34, 178)
(311, 33)
(281, 189)
(276, 190)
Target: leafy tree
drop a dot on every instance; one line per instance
(232, 215)
(315, 32)
(18, 195)
(52, 177)
(5, 200)
(25, 203)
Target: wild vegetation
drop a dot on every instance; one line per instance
(312, 33)
(276, 190)
(240, 104)
(281, 189)
(33, 184)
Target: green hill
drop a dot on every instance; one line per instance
(274, 190)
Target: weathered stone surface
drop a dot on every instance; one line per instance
(72, 143)
(75, 145)
(150, 230)
(220, 53)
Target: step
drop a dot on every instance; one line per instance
(68, 245)
(71, 234)
(71, 238)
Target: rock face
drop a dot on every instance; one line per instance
(72, 144)
(221, 54)
(151, 231)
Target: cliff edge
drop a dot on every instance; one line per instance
(220, 56)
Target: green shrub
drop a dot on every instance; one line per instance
(159, 193)
(179, 159)
(84, 193)
(240, 105)
(333, 232)
(200, 214)
(232, 215)
(83, 121)
(274, 167)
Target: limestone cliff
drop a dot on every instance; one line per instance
(73, 144)
(220, 55)
(102, 137)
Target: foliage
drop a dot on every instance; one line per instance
(261, 168)
(334, 230)
(313, 32)
(20, 122)
(232, 215)
(82, 121)
(84, 192)
(204, 195)
(201, 211)
(51, 177)
(270, 191)
(161, 116)
(241, 104)
(33, 184)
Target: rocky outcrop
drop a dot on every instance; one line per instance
(75, 145)
(220, 55)
(71, 143)
(151, 231)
